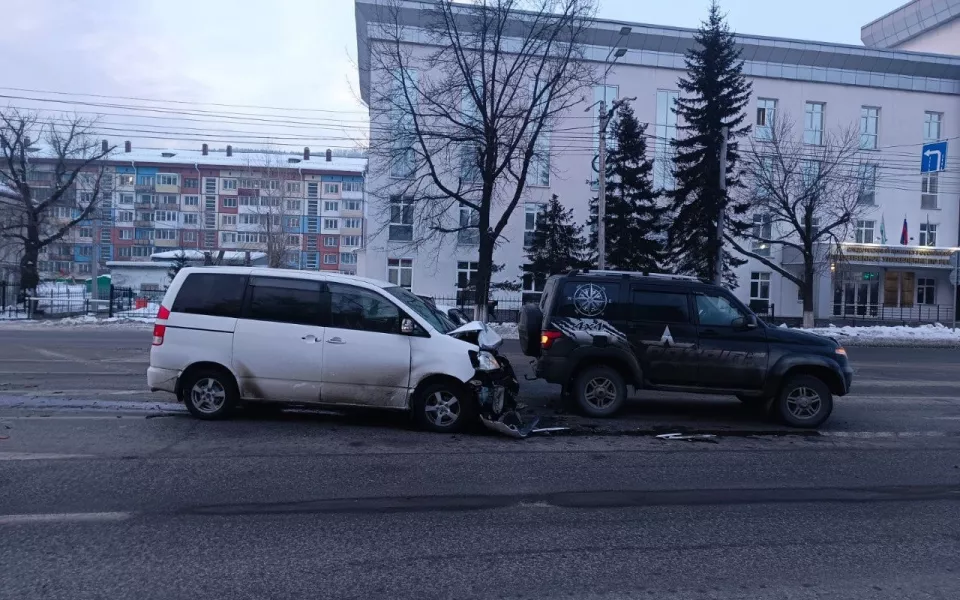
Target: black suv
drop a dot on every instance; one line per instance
(597, 332)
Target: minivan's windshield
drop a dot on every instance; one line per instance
(437, 319)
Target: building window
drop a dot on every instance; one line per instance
(293, 187)
(868, 184)
(400, 272)
(329, 241)
(538, 173)
(293, 222)
(926, 290)
(929, 191)
(666, 132)
(86, 232)
(189, 218)
(228, 219)
(125, 180)
(530, 213)
(864, 231)
(329, 259)
(331, 188)
(352, 223)
(931, 126)
(294, 205)
(928, 234)
(228, 184)
(331, 206)
(351, 241)
(348, 258)
(293, 240)
(353, 186)
(125, 215)
(813, 123)
(191, 182)
(766, 115)
(190, 236)
(466, 274)
(166, 234)
(762, 228)
(168, 179)
(209, 185)
(125, 234)
(401, 220)
(331, 223)
(814, 225)
(869, 127)
(191, 200)
(166, 216)
(353, 205)
(230, 202)
(228, 237)
(313, 189)
(469, 232)
(759, 286)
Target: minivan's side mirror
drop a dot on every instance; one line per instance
(747, 322)
(406, 326)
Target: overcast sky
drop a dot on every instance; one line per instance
(285, 53)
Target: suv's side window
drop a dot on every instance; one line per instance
(589, 300)
(295, 301)
(716, 311)
(358, 308)
(211, 294)
(659, 307)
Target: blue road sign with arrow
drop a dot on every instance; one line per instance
(933, 157)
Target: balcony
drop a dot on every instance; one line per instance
(142, 242)
(145, 187)
(143, 205)
(173, 207)
(143, 224)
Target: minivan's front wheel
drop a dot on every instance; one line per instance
(444, 408)
(210, 394)
(599, 391)
(804, 401)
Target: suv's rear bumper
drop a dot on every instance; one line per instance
(162, 380)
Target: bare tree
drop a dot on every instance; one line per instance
(29, 217)
(804, 198)
(272, 209)
(461, 121)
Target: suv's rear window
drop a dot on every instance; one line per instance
(213, 294)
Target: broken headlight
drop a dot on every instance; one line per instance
(484, 361)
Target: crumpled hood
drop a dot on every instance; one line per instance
(487, 338)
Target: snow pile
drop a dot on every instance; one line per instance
(891, 335)
(507, 331)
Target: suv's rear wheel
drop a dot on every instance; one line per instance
(599, 391)
(210, 394)
(804, 401)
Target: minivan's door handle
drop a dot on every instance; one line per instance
(335, 340)
(310, 338)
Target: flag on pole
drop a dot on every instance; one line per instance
(904, 236)
(883, 231)
(926, 242)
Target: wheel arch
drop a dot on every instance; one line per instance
(628, 369)
(830, 377)
(196, 367)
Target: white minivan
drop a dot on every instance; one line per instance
(231, 335)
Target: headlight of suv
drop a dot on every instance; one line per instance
(486, 361)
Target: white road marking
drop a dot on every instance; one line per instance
(40, 456)
(26, 519)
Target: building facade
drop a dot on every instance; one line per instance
(900, 101)
(302, 211)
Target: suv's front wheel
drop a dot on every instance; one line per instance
(804, 401)
(599, 391)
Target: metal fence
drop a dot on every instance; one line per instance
(504, 309)
(879, 314)
(58, 300)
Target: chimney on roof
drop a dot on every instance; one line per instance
(229, 150)
(306, 153)
(204, 149)
(104, 146)
(126, 146)
(329, 155)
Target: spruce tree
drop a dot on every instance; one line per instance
(558, 243)
(714, 94)
(179, 261)
(634, 219)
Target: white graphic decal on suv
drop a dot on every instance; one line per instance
(589, 300)
(588, 328)
(666, 339)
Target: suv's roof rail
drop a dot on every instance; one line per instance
(637, 274)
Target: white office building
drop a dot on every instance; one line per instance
(902, 89)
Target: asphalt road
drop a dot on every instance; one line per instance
(123, 506)
(898, 390)
(110, 504)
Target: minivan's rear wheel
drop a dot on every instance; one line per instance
(444, 408)
(210, 394)
(599, 391)
(804, 401)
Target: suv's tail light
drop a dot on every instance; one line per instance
(160, 325)
(548, 337)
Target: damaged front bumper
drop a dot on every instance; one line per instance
(496, 395)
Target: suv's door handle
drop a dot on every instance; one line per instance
(335, 340)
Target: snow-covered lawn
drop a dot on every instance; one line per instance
(892, 335)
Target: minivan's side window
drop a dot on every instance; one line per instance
(659, 307)
(716, 311)
(357, 308)
(212, 294)
(295, 301)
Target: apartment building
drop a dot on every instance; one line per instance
(303, 211)
(901, 100)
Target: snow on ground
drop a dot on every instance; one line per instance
(507, 331)
(891, 335)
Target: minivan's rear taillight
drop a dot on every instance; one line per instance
(548, 337)
(160, 325)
